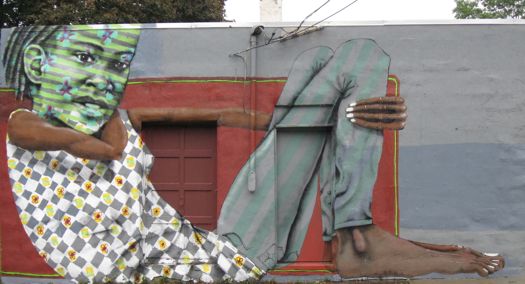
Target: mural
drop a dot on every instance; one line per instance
(79, 169)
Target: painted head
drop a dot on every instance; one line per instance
(75, 75)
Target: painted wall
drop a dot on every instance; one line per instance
(462, 153)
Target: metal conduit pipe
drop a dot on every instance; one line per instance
(252, 180)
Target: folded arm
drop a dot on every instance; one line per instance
(28, 131)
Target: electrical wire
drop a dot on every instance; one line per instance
(309, 15)
(335, 13)
(297, 31)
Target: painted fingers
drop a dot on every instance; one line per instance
(378, 113)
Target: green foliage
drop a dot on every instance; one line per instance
(489, 9)
(56, 12)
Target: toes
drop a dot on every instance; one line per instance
(486, 266)
(491, 268)
(476, 266)
(500, 262)
(496, 259)
(497, 264)
(491, 263)
(483, 272)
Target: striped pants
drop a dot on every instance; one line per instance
(310, 145)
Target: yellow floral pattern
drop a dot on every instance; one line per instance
(100, 169)
(125, 211)
(98, 216)
(107, 198)
(60, 270)
(104, 248)
(40, 230)
(135, 193)
(71, 175)
(72, 255)
(67, 221)
(156, 211)
(162, 244)
(239, 260)
(166, 271)
(50, 210)
(35, 199)
(115, 230)
(27, 172)
(79, 202)
(119, 181)
(39, 155)
(18, 188)
(88, 186)
(54, 164)
(130, 162)
(90, 271)
(60, 191)
(11, 163)
(121, 264)
(54, 240)
(45, 181)
(85, 233)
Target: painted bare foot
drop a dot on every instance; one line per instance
(371, 251)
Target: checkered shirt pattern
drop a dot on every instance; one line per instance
(103, 220)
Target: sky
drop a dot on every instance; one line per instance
(363, 10)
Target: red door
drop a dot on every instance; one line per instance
(184, 173)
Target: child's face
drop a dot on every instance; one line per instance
(84, 74)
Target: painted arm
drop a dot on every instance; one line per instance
(27, 130)
(232, 117)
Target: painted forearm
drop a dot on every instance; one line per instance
(30, 132)
(232, 117)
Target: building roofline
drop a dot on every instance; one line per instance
(306, 24)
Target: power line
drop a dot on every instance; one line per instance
(302, 22)
(297, 31)
(337, 12)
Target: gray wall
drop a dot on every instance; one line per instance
(462, 154)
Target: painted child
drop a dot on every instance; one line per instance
(79, 170)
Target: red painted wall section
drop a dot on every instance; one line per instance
(234, 146)
(18, 253)
(233, 150)
(385, 210)
(202, 93)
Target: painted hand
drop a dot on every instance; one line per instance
(378, 113)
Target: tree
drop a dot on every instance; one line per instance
(56, 12)
(489, 9)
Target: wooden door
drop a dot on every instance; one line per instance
(184, 172)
